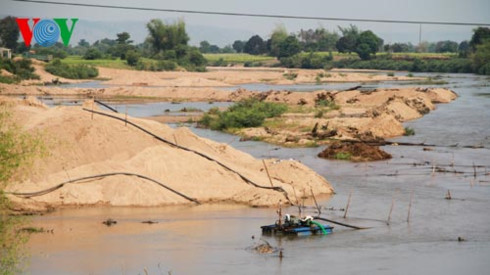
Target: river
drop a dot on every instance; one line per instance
(213, 239)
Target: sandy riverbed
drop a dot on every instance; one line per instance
(219, 77)
(79, 144)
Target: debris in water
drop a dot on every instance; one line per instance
(109, 222)
(354, 152)
(149, 222)
(264, 248)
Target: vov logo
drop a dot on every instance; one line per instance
(46, 32)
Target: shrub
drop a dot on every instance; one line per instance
(246, 113)
(92, 54)
(290, 75)
(409, 131)
(17, 150)
(454, 65)
(132, 57)
(79, 71)
(21, 69)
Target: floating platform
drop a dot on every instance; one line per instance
(311, 228)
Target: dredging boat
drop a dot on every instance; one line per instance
(293, 225)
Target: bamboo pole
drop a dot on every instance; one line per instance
(267, 171)
(391, 210)
(348, 204)
(316, 203)
(410, 206)
(297, 202)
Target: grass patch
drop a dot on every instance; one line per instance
(409, 131)
(311, 144)
(246, 113)
(240, 58)
(290, 75)
(428, 81)
(300, 109)
(319, 114)
(342, 156)
(390, 74)
(80, 71)
(107, 63)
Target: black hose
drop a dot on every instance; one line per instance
(105, 105)
(56, 187)
(340, 223)
(247, 180)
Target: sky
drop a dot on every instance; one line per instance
(98, 23)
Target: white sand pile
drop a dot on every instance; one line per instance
(79, 144)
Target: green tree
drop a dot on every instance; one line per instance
(446, 46)
(9, 32)
(227, 49)
(368, 44)
(122, 46)
(123, 38)
(277, 37)
(481, 58)
(164, 37)
(479, 35)
(289, 47)
(92, 54)
(204, 46)
(255, 45)
(83, 43)
(238, 46)
(464, 49)
(318, 40)
(348, 42)
(132, 57)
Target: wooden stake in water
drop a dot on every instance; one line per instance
(316, 203)
(448, 195)
(126, 117)
(410, 206)
(348, 204)
(279, 212)
(297, 202)
(267, 171)
(391, 209)
(474, 170)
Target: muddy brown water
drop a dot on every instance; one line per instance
(213, 239)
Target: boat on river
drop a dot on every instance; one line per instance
(293, 225)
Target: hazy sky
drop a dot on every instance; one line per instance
(423, 10)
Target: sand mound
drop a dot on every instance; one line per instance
(80, 144)
(354, 152)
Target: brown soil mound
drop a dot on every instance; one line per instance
(354, 152)
(79, 145)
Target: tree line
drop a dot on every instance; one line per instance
(166, 47)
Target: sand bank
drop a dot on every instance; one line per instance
(79, 144)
